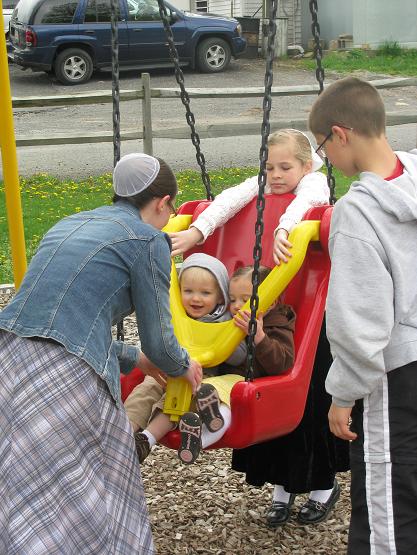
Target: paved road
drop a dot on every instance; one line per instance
(94, 159)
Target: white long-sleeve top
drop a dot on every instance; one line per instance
(311, 191)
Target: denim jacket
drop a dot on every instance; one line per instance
(91, 270)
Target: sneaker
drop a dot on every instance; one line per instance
(313, 512)
(142, 446)
(190, 430)
(208, 404)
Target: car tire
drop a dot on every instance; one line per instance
(213, 55)
(73, 66)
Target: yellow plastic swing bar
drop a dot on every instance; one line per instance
(211, 344)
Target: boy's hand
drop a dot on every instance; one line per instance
(281, 246)
(194, 374)
(184, 240)
(150, 369)
(339, 422)
(242, 319)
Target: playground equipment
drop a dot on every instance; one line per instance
(267, 407)
(10, 171)
(254, 404)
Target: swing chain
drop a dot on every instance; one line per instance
(116, 105)
(115, 81)
(318, 55)
(260, 201)
(185, 99)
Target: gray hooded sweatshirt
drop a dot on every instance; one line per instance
(372, 299)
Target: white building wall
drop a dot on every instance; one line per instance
(335, 18)
(377, 21)
(182, 5)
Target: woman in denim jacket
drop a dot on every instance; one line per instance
(69, 476)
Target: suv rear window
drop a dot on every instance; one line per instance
(99, 11)
(24, 10)
(58, 12)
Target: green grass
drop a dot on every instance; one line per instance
(389, 59)
(47, 199)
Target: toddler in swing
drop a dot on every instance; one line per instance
(274, 340)
(291, 168)
(203, 284)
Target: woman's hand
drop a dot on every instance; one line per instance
(242, 319)
(194, 374)
(281, 246)
(184, 240)
(150, 369)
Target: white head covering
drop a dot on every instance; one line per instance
(317, 161)
(134, 173)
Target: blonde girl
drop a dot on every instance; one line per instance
(291, 168)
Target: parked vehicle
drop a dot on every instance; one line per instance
(8, 7)
(72, 38)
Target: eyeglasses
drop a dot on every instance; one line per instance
(172, 208)
(319, 150)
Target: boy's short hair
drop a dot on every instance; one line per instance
(349, 102)
(264, 271)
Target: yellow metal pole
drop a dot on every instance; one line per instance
(10, 170)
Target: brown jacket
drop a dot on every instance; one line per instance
(275, 353)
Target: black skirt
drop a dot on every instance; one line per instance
(308, 458)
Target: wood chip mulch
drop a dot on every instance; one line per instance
(207, 508)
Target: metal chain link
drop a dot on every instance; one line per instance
(115, 80)
(260, 201)
(114, 5)
(318, 55)
(185, 99)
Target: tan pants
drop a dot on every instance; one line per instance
(140, 403)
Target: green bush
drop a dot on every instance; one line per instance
(390, 48)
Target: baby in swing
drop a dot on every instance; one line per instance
(274, 340)
(291, 168)
(203, 284)
(204, 294)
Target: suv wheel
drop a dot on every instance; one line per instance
(73, 66)
(213, 55)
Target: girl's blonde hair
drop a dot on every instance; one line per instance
(297, 140)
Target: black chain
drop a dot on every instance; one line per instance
(185, 99)
(318, 55)
(114, 4)
(260, 201)
(115, 80)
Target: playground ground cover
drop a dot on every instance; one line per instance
(46, 199)
(207, 509)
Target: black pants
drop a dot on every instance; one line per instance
(384, 468)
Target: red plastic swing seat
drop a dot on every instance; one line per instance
(273, 406)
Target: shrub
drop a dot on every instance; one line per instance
(389, 48)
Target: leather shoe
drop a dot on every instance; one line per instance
(313, 512)
(279, 512)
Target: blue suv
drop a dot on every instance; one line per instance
(73, 37)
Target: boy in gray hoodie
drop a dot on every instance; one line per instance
(372, 316)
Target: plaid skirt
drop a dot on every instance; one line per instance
(70, 481)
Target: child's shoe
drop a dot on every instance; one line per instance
(190, 430)
(142, 446)
(208, 404)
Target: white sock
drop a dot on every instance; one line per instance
(321, 495)
(207, 437)
(151, 438)
(280, 494)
